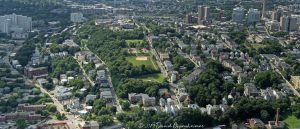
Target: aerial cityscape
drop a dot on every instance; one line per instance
(150, 64)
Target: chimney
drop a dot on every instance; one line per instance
(277, 118)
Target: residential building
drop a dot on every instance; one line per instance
(276, 15)
(89, 125)
(35, 72)
(250, 89)
(29, 108)
(203, 12)
(148, 101)
(164, 56)
(107, 96)
(190, 19)
(144, 98)
(15, 23)
(296, 81)
(288, 23)
(30, 116)
(256, 123)
(168, 64)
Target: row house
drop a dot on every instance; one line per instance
(28, 107)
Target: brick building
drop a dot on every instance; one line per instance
(35, 72)
(28, 107)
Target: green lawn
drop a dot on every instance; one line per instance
(137, 42)
(158, 77)
(292, 122)
(147, 63)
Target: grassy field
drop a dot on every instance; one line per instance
(153, 77)
(292, 122)
(147, 63)
(136, 42)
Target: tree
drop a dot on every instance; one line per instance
(267, 79)
(296, 110)
(264, 115)
(125, 105)
(105, 120)
(60, 116)
(193, 117)
(51, 108)
(21, 123)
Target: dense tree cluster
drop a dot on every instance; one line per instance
(238, 36)
(55, 48)
(267, 79)
(139, 86)
(178, 61)
(161, 45)
(159, 29)
(62, 64)
(101, 113)
(210, 87)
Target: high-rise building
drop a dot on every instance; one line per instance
(190, 19)
(203, 13)
(263, 9)
(293, 25)
(284, 24)
(288, 23)
(253, 16)
(238, 14)
(77, 17)
(15, 23)
(276, 14)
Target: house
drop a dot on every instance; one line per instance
(134, 97)
(170, 101)
(74, 103)
(89, 125)
(256, 123)
(198, 60)
(250, 89)
(168, 64)
(162, 102)
(213, 109)
(193, 76)
(148, 101)
(152, 39)
(107, 96)
(164, 56)
(144, 98)
(163, 91)
(90, 97)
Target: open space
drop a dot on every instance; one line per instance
(292, 122)
(142, 60)
(158, 77)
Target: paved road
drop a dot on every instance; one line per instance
(84, 73)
